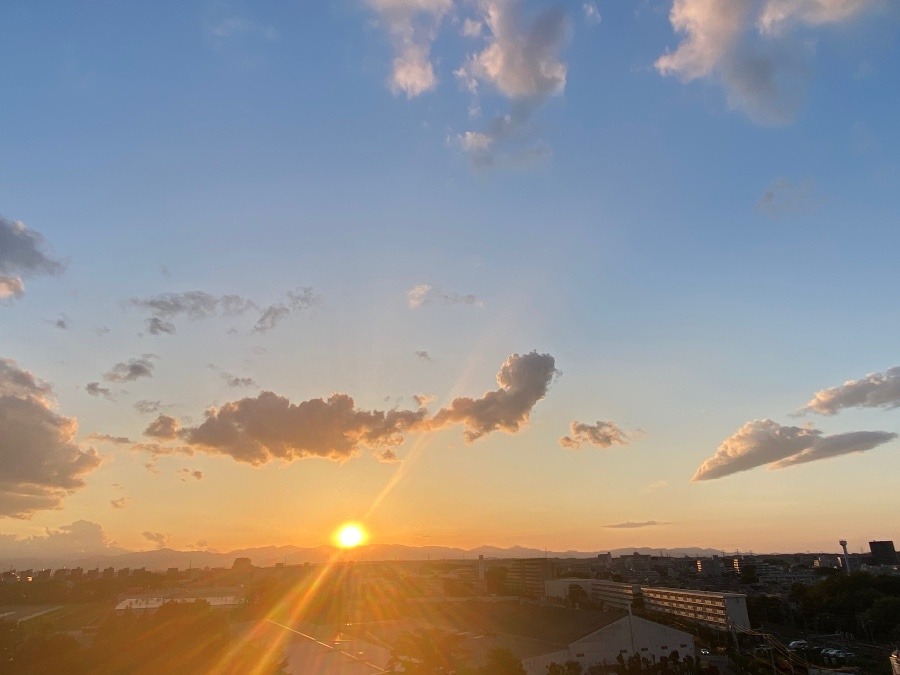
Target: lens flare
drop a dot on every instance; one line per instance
(350, 535)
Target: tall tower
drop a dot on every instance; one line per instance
(843, 543)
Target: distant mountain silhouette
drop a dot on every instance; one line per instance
(267, 556)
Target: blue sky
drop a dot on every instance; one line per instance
(690, 208)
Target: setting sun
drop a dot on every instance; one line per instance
(350, 535)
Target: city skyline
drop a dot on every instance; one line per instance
(556, 275)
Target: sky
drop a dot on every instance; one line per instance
(573, 275)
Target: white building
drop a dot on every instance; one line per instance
(717, 610)
(625, 636)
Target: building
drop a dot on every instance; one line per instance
(716, 610)
(624, 636)
(883, 552)
(527, 576)
(613, 595)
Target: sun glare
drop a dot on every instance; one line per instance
(350, 535)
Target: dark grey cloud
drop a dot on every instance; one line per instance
(24, 251)
(193, 304)
(163, 427)
(257, 430)
(631, 525)
(297, 301)
(764, 442)
(157, 538)
(425, 356)
(875, 390)
(94, 389)
(39, 462)
(523, 381)
(62, 322)
(234, 381)
(148, 407)
(157, 326)
(601, 434)
(133, 369)
(270, 427)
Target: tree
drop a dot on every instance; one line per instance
(577, 595)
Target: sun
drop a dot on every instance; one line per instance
(350, 535)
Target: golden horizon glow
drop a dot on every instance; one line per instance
(350, 535)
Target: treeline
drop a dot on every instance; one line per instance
(177, 638)
(860, 603)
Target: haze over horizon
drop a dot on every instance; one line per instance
(573, 275)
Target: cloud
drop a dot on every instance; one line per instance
(157, 538)
(762, 442)
(195, 474)
(412, 26)
(521, 61)
(602, 434)
(119, 503)
(423, 294)
(62, 322)
(39, 462)
(472, 28)
(11, 287)
(107, 438)
(418, 295)
(523, 381)
(423, 355)
(836, 445)
(299, 300)
(257, 430)
(234, 381)
(81, 538)
(163, 427)
(157, 326)
(23, 252)
(133, 369)
(785, 198)
(269, 427)
(194, 305)
(779, 15)
(631, 525)
(423, 400)
(591, 13)
(743, 45)
(387, 456)
(94, 389)
(148, 407)
(875, 390)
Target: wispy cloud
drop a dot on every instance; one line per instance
(601, 434)
(631, 525)
(875, 390)
(133, 369)
(423, 294)
(785, 197)
(591, 13)
(157, 538)
(95, 389)
(422, 355)
(764, 442)
(412, 26)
